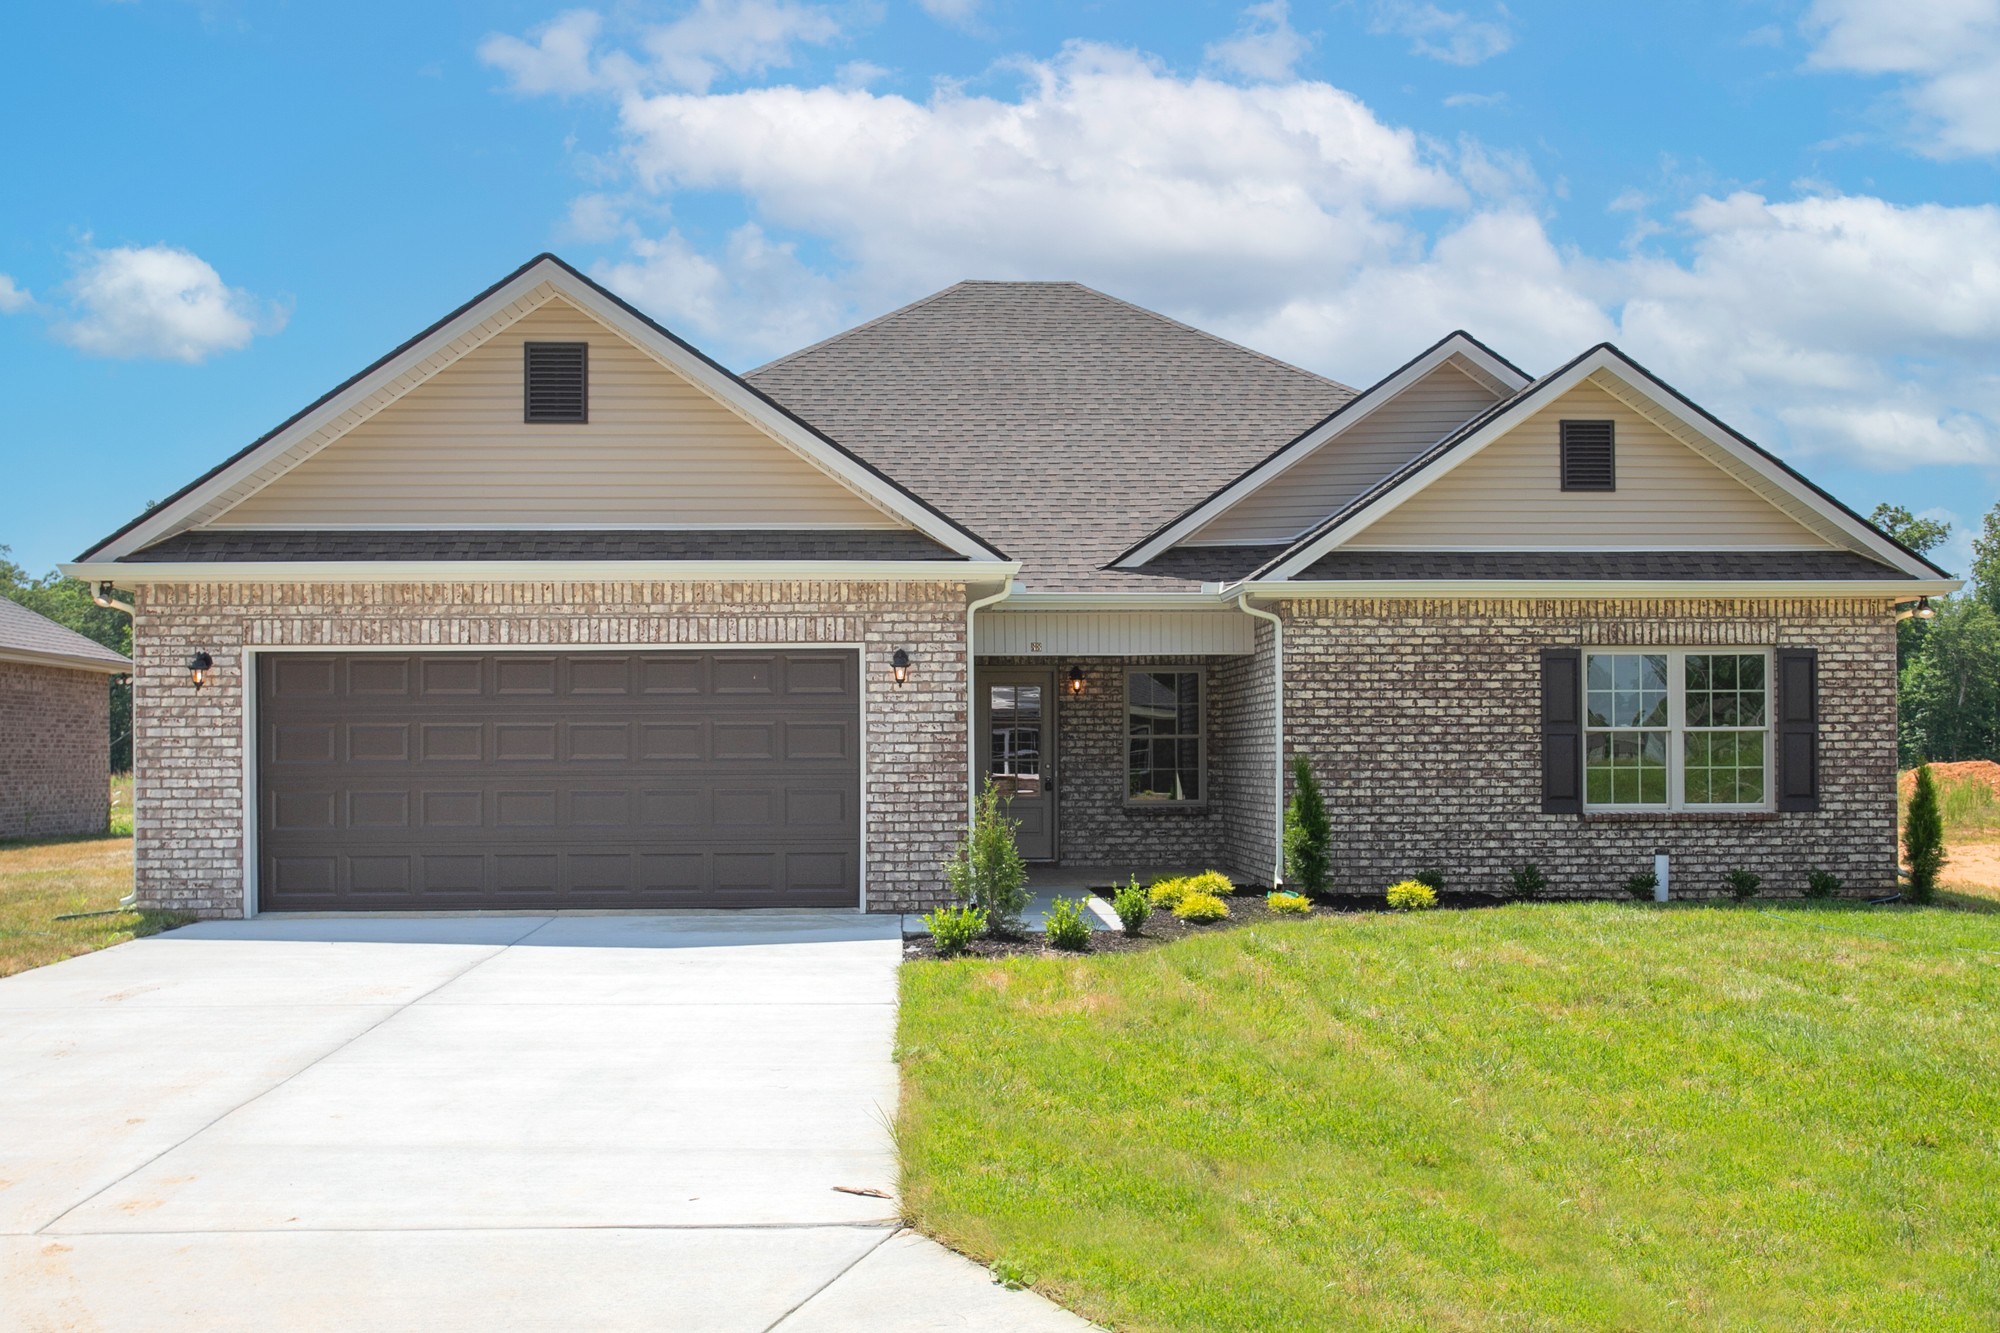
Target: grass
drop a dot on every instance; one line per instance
(47, 878)
(1545, 1116)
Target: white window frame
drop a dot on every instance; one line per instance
(1677, 728)
(1200, 674)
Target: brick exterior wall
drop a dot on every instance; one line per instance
(1245, 776)
(188, 796)
(1095, 825)
(55, 751)
(1423, 719)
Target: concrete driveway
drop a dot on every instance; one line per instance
(499, 1122)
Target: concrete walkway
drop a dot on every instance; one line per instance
(484, 1123)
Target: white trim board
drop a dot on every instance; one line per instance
(544, 571)
(529, 288)
(1606, 365)
(1458, 347)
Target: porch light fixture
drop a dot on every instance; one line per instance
(899, 666)
(1076, 680)
(200, 664)
(1924, 609)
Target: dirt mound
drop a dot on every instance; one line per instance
(1948, 775)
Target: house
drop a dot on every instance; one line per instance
(55, 727)
(547, 609)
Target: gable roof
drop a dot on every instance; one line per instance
(1061, 421)
(1504, 376)
(28, 636)
(1646, 393)
(535, 282)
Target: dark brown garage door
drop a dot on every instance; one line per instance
(398, 782)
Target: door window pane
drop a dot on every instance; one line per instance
(1015, 717)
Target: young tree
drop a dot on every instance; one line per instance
(1923, 838)
(987, 871)
(1307, 831)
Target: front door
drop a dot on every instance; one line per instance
(1017, 749)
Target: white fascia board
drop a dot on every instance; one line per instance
(1206, 600)
(1607, 360)
(545, 571)
(1355, 411)
(170, 517)
(63, 661)
(1563, 589)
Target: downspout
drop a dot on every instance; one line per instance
(972, 702)
(1278, 707)
(99, 593)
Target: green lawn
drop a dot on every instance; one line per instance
(41, 881)
(1548, 1116)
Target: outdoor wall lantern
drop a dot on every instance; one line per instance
(1924, 609)
(899, 666)
(1076, 680)
(200, 664)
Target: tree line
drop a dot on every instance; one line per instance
(1948, 667)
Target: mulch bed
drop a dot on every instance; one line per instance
(1162, 927)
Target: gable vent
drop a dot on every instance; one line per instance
(1588, 456)
(557, 380)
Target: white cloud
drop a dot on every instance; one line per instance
(13, 299)
(958, 13)
(1266, 47)
(158, 302)
(1288, 215)
(1475, 99)
(1947, 53)
(712, 39)
(1451, 35)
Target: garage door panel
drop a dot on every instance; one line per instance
(539, 781)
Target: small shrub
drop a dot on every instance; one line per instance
(1167, 893)
(1289, 904)
(987, 871)
(1743, 883)
(1307, 831)
(1133, 907)
(1212, 882)
(1412, 895)
(1066, 926)
(1433, 878)
(952, 928)
(1923, 838)
(1526, 882)
(1822, 884)
(1641, 885)
(1201, 907)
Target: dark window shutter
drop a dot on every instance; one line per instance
(1589, 456)
(1562, 731)
(556, 380)
(1798, 728)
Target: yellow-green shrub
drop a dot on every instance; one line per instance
(1167, 893)
(1211, 882)
(1412, 895)
(1289, 904)
(1201, 907)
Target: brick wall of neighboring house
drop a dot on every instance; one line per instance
(1423, 719)
(188, 797)
(1095, 825)
(55, 751)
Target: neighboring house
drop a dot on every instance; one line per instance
(546, 609)
(55, 727)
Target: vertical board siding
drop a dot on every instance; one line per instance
(1114, 633)
(455, 450)
(1308, 491)
(1510, 494)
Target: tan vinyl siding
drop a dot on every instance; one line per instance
(1308, 491)
(656, 452)
(1510, 495)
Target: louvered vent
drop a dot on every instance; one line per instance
(557, 379)
(1588, 456)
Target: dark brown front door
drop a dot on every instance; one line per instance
(1018, 752)
(412, 781)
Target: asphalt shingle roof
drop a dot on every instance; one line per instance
(26, 634)
(223, 544)
(1060, 423)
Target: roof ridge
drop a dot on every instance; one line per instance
(833, 338)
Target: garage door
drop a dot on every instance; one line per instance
(399, 782)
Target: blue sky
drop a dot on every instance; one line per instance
(226, 207)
